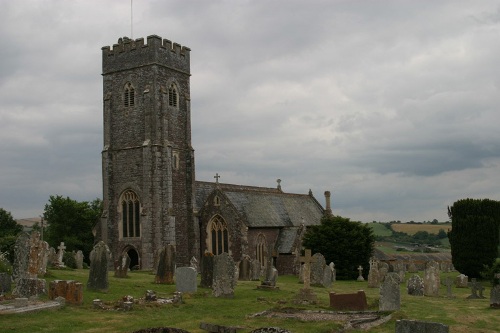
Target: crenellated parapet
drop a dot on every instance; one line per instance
(128, 54)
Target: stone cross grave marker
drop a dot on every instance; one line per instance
(60, 254)
(449, 283)
(475, 288)
(307, 259)
(360, 270)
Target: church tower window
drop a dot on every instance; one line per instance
(130, 209)
(173, 96)
(260, 254)
(218, 238)
(129, 95)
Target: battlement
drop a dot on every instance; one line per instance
(128, 54)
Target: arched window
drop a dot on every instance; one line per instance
(218, 238)
(173, 96)
(260, 250)
(129, 95)
(131, 213)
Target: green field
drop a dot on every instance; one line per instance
(380, 229)
(461, 314)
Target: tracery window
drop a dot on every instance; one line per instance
(260, 250)
(131, 209)
(218, 238)
(173, 96)
(129, 95)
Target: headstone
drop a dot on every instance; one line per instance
(383, 269)
(5, 283)
(390, 294)
(417, 326)
(412, 268)
(431, 279)
(121, 265)
(37, 265)
(476, 289)
(185, 279)
(245, 269)
(449, 283)
(166, 265)
(306, 295)
(332, 267)
(495, 293)
(223, 278)
(194, 263)
(374, 274)
(207, 270)
(317, 269)
(360, 276)
(327, 277)
(98, 274)
(72, 291)
(400, 268)
(52, 261)
(415, 286)
(270, 276)
(21, 256)
(462, 281)
(79, 259)
(60, 254)
(349, 302)
(28, 287)
(255, 270)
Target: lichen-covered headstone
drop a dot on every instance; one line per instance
(383, 269)
(390, 294)
(317, 269)
(98, 274)
(431, 279)
(415, 286)
(21, 256)
(185, 279)
(27, 287)
(223, 278)
(38, 256)
(374, 274)
(327, 277)
(166, 265)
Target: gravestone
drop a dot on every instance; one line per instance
(317, 269)
(462, 281)
(224, 276)
(400, 268)
(349, 302)
(27, 287)
(98, 273)
(327, 277)
(270, 276)
(431, 279)
(21, 256)
(495, 293)
(415, 286)
(194, 263)
(390, 294)
(306, 295)
(417, 326)
(207, 270)
(383, 269)
(374, 274)
(476, 289)
(185, 279)
(121, 265)
(38, 256)
(60, 254)
(5, 283)
(412, 268)
(245, 269)
(449, 283)
(52, 261)
(360, 274)
(79, 259)
(166, 265)
(334, 272)
(255, 270)
(72, 291)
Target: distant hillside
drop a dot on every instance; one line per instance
(413, 228)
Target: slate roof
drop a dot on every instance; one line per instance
(264, 207)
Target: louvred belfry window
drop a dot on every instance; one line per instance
(173, 96)
(129, 95)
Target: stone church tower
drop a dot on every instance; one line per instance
(147, 160)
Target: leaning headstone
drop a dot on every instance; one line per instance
(415, 286)
(122, 265)
(374, 274)
(98, 274)
(390, 294)
(255, 270)
(224, 273)
(207, 270)
(495, 294)
(317, 269)
(462, 281)
(166, 265)
(28, 287)
(185, 279)
(21, 256)
(245, 269)
(431, 279)
(79, 259)
(476, 289)
(417, 326)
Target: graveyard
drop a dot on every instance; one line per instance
(249, 307)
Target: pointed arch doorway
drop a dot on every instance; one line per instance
(134, 259)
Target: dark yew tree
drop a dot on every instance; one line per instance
(9, 229)
(348, 244)
(71, 222)
(475, 234)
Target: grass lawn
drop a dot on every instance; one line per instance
(461, 314)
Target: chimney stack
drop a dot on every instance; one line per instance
(328, 209)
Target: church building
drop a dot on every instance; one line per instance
(150, 196)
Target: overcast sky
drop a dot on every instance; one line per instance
(393, 106)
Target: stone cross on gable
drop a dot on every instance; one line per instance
(217, 178)
(307, 260)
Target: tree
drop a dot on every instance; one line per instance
(475, 234)
(9, 229)
(348, 244)
(71, 222)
